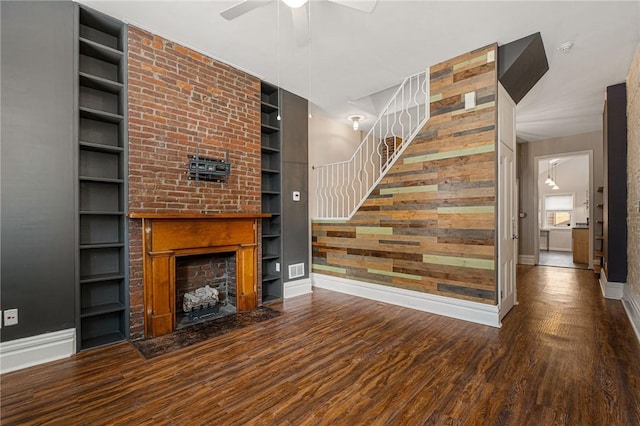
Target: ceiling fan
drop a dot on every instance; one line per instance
(299, 12)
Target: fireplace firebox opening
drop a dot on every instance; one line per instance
(205, 287)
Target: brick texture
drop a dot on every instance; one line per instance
(193, 272)
(180, 101)
(633, 175)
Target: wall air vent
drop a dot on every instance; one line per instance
(296, 270)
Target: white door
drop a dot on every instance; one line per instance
(507, 204)
(507, 233)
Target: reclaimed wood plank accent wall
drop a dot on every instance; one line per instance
(430, 224)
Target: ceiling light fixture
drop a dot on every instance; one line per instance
(555, 176)
(565, 47)
(548, 179)
(294, 4)
(552, 179)
(355, 121)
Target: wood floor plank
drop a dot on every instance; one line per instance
(564, 356)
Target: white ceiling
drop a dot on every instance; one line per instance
(354, 56)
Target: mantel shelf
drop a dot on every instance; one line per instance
(154, 215)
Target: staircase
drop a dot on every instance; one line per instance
(342, 187)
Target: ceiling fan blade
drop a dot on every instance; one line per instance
(300, 16)
(361, 5)
(243, 7)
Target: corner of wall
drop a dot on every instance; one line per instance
(297, 288)
(611, 289)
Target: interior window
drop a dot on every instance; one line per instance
(558, 210)
(558, 218)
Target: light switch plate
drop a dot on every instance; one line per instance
(296, 195)
(491, 56)
(469, 100)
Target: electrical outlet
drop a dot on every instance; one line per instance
(10, 317)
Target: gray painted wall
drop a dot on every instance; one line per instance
(295, 214)
(615, 184)
(38, 161)
(527, 152)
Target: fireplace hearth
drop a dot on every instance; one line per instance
(219, 310)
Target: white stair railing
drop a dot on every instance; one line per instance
(342, 187)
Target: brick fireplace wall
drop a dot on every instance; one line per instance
(178, 101)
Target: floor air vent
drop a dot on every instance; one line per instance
(296, 270)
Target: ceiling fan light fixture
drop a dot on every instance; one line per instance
(294, 4)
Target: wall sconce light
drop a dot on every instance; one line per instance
(355, 121)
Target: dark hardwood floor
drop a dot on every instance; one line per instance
(564, 355)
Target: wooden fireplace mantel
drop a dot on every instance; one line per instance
(170, 235)
(154, 215)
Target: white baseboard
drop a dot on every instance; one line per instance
(611, 290)
(631, 303)
(527, 259)
(34, 350)
(297, 288)
(557, 249)
(455, 308)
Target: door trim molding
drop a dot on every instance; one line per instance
(536, 210)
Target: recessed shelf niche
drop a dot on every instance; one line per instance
(102, 142)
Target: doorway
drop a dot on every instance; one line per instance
(563, 210)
